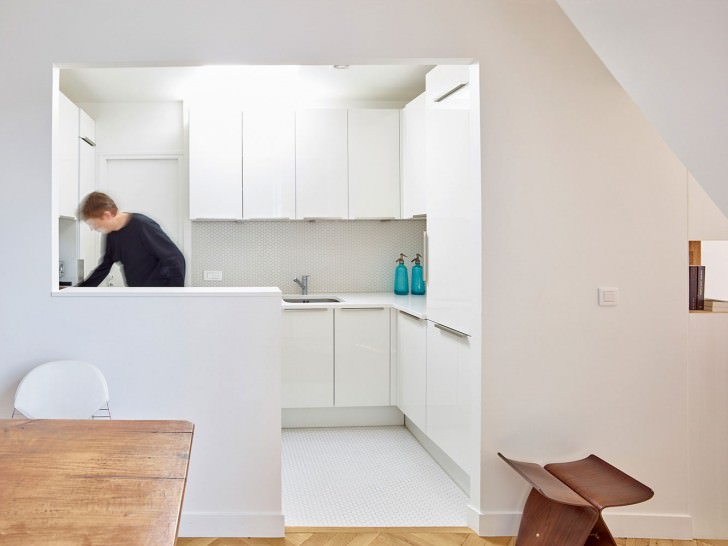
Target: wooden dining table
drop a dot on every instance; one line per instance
(89, 482)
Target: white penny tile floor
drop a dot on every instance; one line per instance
(365, 477)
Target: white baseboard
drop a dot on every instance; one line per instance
(341, 417)
(451, 468)
(661, 526)
(222, 525)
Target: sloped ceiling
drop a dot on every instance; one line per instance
(671, 57)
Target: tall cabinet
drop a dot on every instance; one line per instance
(74, 172)
(453, 201)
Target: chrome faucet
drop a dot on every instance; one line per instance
(303, 283)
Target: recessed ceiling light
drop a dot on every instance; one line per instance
(341, 66)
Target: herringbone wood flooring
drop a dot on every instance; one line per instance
(403, 536)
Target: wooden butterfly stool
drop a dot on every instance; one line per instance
(565, 505)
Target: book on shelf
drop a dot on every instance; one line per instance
(696, 293)
(716, 306)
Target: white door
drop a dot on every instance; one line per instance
(361, 357)
(307, 358)
(149, 186)
(321, 164)
(373, 163)
(269, 164)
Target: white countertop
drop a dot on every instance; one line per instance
(414, 305)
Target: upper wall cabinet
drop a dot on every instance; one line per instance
(269, 164)
(215, 155)
(277, 164)
(321, 164)
(414, 158)
(374, 164)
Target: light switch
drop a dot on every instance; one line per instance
(212, 275)
(608, 295)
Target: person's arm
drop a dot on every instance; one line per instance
(171, 263)
(99, 274)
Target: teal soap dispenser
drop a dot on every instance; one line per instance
(418, 283)
(401, 284)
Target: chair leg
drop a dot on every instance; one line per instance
(546, 522)
(600, 535)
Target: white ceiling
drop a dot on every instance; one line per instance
(671, 57)
(396, 83)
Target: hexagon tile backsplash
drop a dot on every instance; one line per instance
(339, 255)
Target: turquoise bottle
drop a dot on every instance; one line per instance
(401, 282)
(418, 283)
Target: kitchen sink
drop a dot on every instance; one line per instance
(306, 299)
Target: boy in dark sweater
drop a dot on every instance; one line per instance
(147, 254)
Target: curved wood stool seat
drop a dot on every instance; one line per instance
(564, 507)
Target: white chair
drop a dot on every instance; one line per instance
(63, 389)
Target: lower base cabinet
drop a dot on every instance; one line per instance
(335, 357)
(449, 396)
(307, 358)
(361, 356)
(412, 368)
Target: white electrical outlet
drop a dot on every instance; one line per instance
(212, 275)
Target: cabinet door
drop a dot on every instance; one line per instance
(67, 157)
(215, 156)
(450, 383)
(308, 358)
(361, 355)
(88, 251)
(412, 368)
(269, 164)
(414, 158)
(453, 213)
(321, 164)
(374, 164)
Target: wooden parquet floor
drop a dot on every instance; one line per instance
(403, 536)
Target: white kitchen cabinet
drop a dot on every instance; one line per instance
(361, 354)
(88, 240)
(374, 163)
(321, 164)
(450, 384)
(414, 158)
(215, 163)
(66, 161)
(412, 368)
(453, 205)
(307, 356)
(269, 164)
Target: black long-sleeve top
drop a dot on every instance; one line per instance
(148, 255)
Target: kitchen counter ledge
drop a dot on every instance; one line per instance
(192, 291)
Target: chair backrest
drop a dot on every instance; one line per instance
(62, 389)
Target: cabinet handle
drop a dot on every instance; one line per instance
(88, 141)
(410, 315)
(426, 268)
(451, 92)
(360, 308)
(449, 330)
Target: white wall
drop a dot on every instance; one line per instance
(578, 191)
(670, 57)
